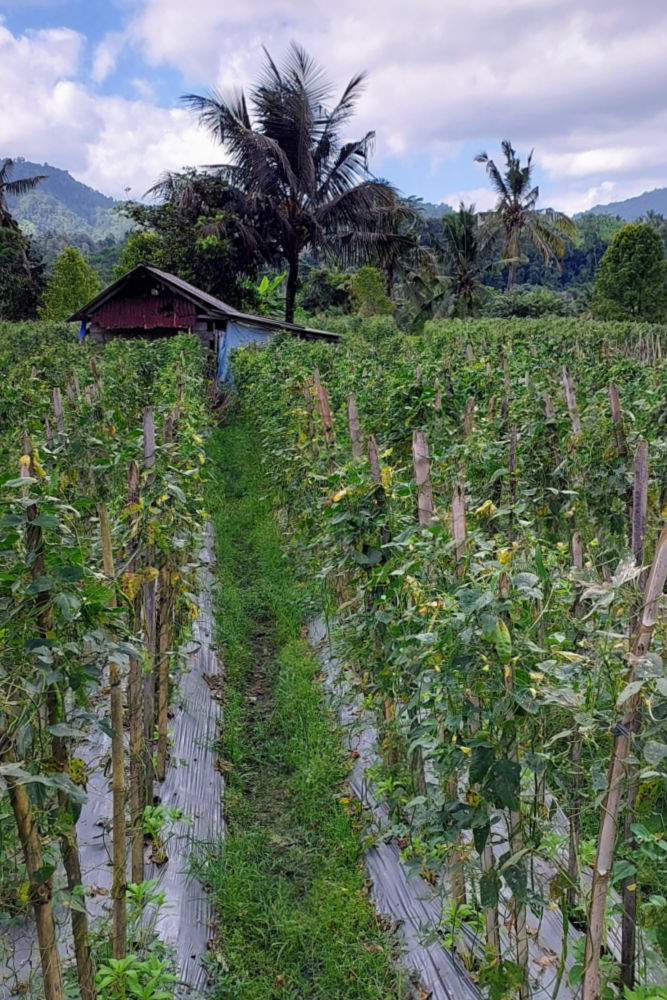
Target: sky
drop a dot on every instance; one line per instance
(93, 86)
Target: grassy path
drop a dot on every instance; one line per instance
(294, 918)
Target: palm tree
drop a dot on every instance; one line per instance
(17, 187)
(515, 215)
(466, 249)
(308, 187)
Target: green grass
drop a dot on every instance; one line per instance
(294, 917)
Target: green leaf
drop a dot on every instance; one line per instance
(503, 784)
(489, 888)
(480, 835)
(40, 585)
(62, 729)
(46, 521)
(654, 752)
(629, 691)
(481, 759)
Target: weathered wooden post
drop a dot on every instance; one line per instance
(134, 687)
(617, 420)
(355, 427)
(422, 467)
(626, 733)
(149, 587)
(568, 386)
(118, 886)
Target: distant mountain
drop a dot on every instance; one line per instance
(63, 205)
(632, 208)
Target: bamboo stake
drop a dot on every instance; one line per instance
(459, 528)
(355, 427)
(515, 831)
(468, 416)
(437, 396)
(41, 890)
(617, 420)
(628, 890)
(624, 739)
(570, 396)
(639, 507)
(150, 612)
(422, 466)
(575, 759)
(119, 833)
(324, 408)
(307, 388)
(58, 413)
(374, 460)
(48, 433)
(69, 846)
(134, 693)
(165, 591)
(511, 484)
(470, 354)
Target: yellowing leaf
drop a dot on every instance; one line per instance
(487, 508)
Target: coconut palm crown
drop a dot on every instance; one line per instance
(309, 187)
(16, 187)
(515, 216)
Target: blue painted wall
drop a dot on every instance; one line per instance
(237, 335)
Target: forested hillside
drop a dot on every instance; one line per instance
(61, 204)
(634, 208)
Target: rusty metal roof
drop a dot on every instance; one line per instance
(208, 305)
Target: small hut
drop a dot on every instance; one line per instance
(151, 303)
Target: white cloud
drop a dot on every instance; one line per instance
(581, 81)
(108, 142)
(482, 198)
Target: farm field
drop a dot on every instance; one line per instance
(480, 507)
(478, 516)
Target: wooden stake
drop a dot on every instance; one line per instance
(422, 466)
(437, 397)
(459, 528)
(355, 427)
(512, 479)
(150, 613)
(617, 420)
(58, 413)
(41, 889)
(374, 459)
(48, 433)
(628, 889)
(135, 693)
(324, 409)
(469, 416)
(119, 833)
(626, 732)
(568, 385)
(165, 617)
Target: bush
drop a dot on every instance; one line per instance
(528, 301)
(369, 293)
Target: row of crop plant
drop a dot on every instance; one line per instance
(485, 509)
(99, 538)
